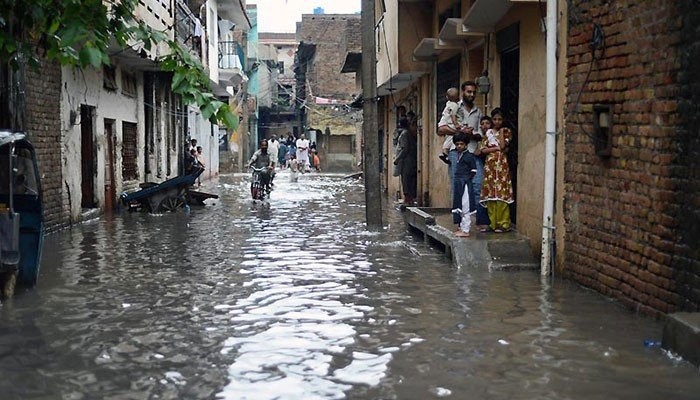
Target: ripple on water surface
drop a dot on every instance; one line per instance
(295, 299)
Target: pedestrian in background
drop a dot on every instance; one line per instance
(406, 162)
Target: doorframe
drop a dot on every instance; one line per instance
(508, 45)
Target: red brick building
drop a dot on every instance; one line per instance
(325, 115)
(632, 152)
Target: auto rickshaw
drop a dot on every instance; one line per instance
(21, 213)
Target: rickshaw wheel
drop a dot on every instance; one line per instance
(172, 203)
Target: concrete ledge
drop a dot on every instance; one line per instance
(682, 335)
(508, 251)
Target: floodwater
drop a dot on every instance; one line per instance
(295, 299)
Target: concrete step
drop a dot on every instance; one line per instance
(682, 335)
(512, 254)
(497, 251)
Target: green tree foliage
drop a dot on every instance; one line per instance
(79, 33)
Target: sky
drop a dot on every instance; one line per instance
(282, 15)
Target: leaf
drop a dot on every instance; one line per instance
(54, 27)
(177, 81)
(90, 56)
(207, 111)
(217, 104)
(227, 117)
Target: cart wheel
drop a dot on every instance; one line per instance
(172, 203)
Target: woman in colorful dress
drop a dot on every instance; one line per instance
(496, 188)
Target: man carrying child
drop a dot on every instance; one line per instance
(469, 117)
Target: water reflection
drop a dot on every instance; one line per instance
(294, 299)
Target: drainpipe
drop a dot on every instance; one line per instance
(550, 144)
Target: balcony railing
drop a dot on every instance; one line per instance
(231, 55)
(188, 29)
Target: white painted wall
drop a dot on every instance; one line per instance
(212, 61)
(207, 136)
(86, 87)
(158, 14)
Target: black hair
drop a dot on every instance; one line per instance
(467, 83)
(460, 137)
(403, 123)
(497, 111)
(486, 118)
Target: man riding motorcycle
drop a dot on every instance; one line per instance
(263, 164)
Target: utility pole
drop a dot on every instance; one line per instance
(370, 134)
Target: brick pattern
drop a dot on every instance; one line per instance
(686, 170)
(43, 122)
(632, 220)
(326, 31)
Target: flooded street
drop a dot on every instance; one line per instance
(296, 300)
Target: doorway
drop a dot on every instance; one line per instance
(110, 184)
(447, 77)
(508, 43)
(87, 156)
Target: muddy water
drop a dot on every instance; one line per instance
(296, 300)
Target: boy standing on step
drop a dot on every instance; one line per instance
(463, 204)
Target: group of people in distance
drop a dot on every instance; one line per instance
(475, 147)
(292, 153)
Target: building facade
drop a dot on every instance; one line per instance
(324, 93)
(279, 118)
(101, 132)
(625, 166)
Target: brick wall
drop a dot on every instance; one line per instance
(326, 31)
(632, 219)
(43, 122)
(685, 172)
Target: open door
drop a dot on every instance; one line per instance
(508, 41)
(110, 184)
(87, 156)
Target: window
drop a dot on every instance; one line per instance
(129, 146)
(109, 79)
(128, 84)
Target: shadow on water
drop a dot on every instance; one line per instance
(294, 299)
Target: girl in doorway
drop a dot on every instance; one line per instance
(496, 188)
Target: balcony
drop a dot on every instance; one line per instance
(231, 64)
(188, 29)
(399, 32)
(483, 15)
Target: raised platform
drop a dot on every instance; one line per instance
(496, 251)
(682, 335)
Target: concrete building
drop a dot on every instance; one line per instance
(423, 49)
(279, 118)
(622, 216)
(102, 132)
(253, 71)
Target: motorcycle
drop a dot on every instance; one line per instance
(259, 190)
